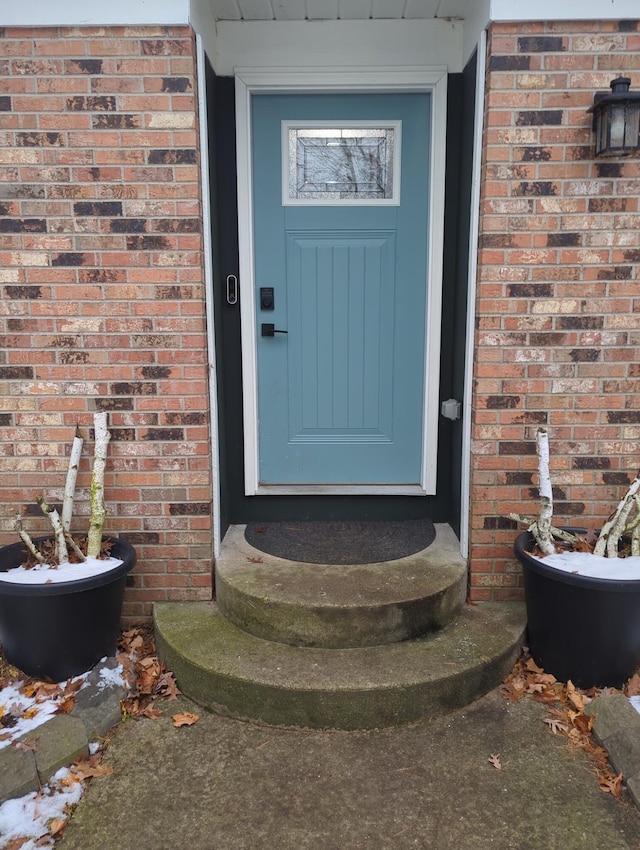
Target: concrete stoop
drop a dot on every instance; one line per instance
(349, 647)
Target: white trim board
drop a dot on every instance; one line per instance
(472, 247)
(79, 13)
(253, 80)
(564, 10)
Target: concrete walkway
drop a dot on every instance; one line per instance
(222, 784)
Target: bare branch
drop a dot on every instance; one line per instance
(49, 511)
(545, 540)
(98, 510)
(72, 543)
(28, 542)
(70, 485)
(613, 529)
(560, 533)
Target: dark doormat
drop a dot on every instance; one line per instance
(341, 542)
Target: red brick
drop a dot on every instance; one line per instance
(583, 190)
(83, 336)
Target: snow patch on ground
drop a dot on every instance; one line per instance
(45, 574)
(29, 816)
(33, 712)
(595, 566)
(111, 677)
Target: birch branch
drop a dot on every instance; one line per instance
(635, 536)
(72, 543)
(544, 539)
(98, 510)
(70, 484)
(28, 542)
(49, 511)
(532, 524)
(613, 529)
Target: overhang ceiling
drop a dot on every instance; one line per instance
(332, 10)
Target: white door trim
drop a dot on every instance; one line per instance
(250, 81)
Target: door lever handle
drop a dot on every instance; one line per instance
(270, 330)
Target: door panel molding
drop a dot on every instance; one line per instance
(250, 81)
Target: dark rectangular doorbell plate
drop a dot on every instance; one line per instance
(266, 298)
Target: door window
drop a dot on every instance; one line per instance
(338, 163)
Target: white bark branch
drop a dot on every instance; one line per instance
(72, 543)
(532, 524)
(98, 510)
(70, 484)
(545, 540)
(49, 511)
(615, 526)
(28, 542)
(635, 536)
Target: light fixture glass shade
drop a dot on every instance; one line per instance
(616, 119)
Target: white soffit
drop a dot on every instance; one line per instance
(288, 44)
(333, 10)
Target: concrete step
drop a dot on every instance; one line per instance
(340, 606)
(236, 673)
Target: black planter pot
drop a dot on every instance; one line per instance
(54, 631)
(580, 628)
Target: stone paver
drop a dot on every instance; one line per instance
(62, 738)
(617, 729)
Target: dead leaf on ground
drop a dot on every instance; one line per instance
(556, 725)
(166, 686)
(133, 639)
(90, 768)
(17, 843)
(633, 686)
(611, 784)
(41, 691)
(566, 704)
(66, 706)
(577, 699)
(186, 718)
(583, 723)
(69, 780)
(29, 745)
(57, 825)
(494, 759)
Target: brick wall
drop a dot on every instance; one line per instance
(558, 334)
(101, 279)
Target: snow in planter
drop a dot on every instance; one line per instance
(595, 566)
(45, 574)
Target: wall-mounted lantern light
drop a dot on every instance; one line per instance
(616, 119)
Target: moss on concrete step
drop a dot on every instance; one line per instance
(334, 606)
(236, 673)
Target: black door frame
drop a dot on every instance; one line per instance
(236, 507)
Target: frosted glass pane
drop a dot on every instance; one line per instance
(347, 163)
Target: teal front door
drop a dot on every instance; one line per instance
(340, 228)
